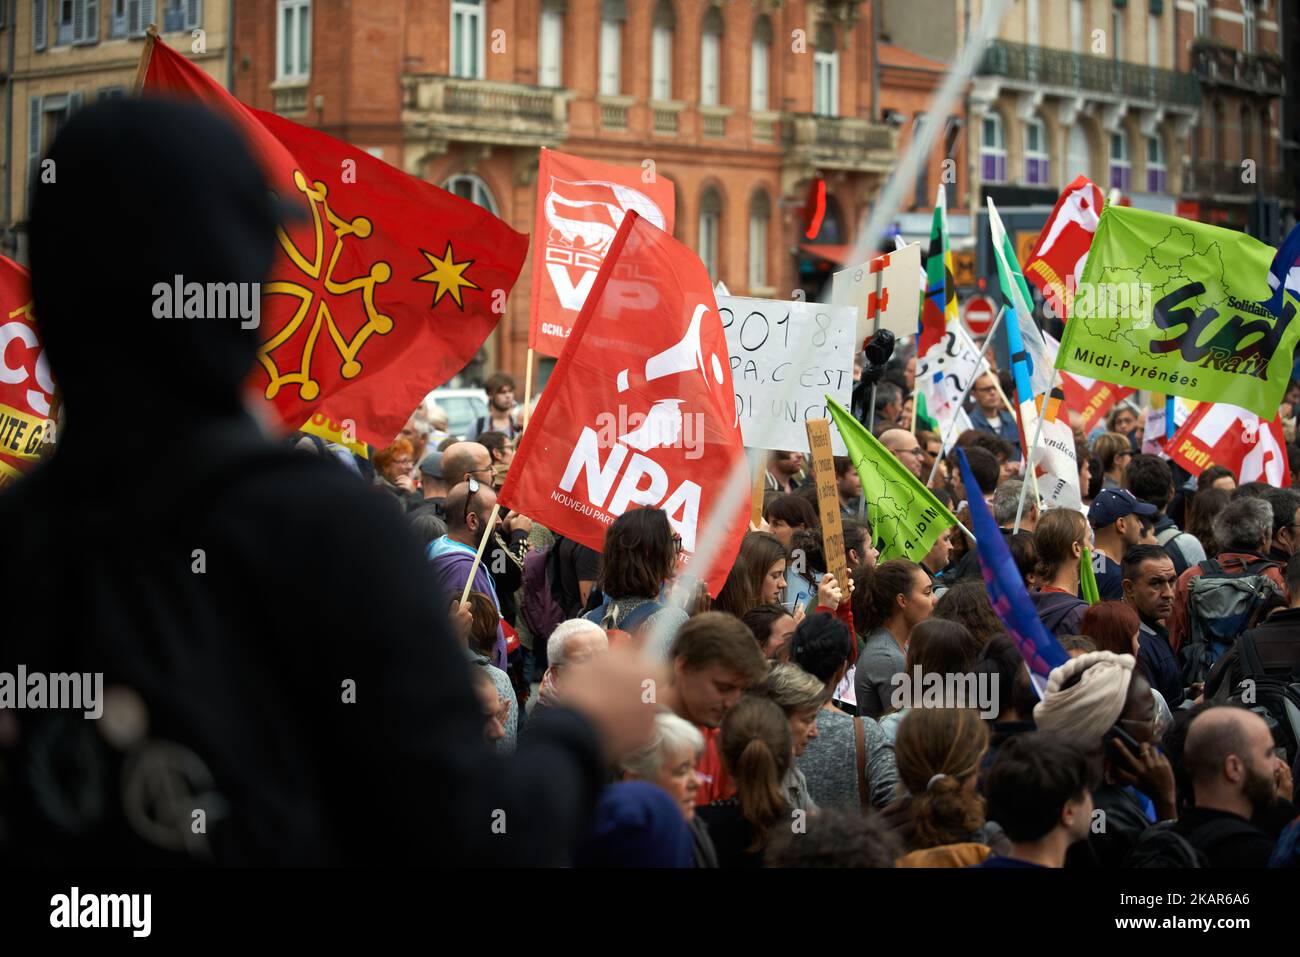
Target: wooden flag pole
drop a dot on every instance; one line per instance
(478, 558)
(528, 390)
(146, 54)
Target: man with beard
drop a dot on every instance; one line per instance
(1229, 759)
(500, 389)
(1148, 580)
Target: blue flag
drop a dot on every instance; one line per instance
(1284, 273)
(1011, 602)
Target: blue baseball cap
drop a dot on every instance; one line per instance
(1112, 504)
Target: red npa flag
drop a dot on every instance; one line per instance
(385, 288)
(25, 384)
(640, 409)
(1222, 434)
(1056, 263)
(580, 206)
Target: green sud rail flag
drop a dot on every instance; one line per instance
(906, 518)
(1170, 305)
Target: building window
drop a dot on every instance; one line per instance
(760, 214)
(1249, 29)
(993, 150)
(1078, 156)
(1117, 33)
(182, 15)
(46, 117)
(1037, 166)
(1265, 133)
(293, 52)
(110, 93)
(1076, 26)
(1216, 129)
(826, 73)
(710, 229)
(1031, 22)
(129, 18)
(1202, 18)
(661, 52)
(1120, 168)
(613, 15)
(1153, 40)
(1247, 134)
(760, 64)
(711, 58)
(550, 45)
(468, 186)
(467, 29)
(1155, 165)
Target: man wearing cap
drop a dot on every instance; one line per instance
(433, 485)
(1117, 527)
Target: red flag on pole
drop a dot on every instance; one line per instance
(640, 409)
(1221, 434)
(580, 206)
(1056, 263)
(384, 289)
(1091, 398)
(25, 384)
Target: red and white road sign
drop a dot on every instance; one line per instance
(979, 315)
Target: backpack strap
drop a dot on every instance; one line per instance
(1248, 660)
(1168, 535)
(860, 745)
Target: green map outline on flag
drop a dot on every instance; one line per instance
(1170, 305)
(897, 502)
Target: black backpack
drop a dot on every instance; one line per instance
(1220, 606)
(1161, 846)
(1275, 698)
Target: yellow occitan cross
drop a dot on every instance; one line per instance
(448, 274)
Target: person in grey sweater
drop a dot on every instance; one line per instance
(901, 597)
(848, 763)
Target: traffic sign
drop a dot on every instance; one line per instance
(979, 315)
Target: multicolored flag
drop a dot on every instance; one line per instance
(26, 388)
(1011, 603)
(1030, 364)
(640, 410)
(1221, 434)
(940, 306)
(1284, 272)
(580, 205)
(943, 374)
(1171, 305)
(385, 289)
(1056, 264)
(906, 518)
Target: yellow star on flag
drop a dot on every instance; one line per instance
(448, 274)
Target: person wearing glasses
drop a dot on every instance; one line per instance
(468, 506)
(904, 447)
(989, 414)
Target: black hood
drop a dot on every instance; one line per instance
(142, 191)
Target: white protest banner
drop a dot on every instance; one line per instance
(786, 357)
(900, 292)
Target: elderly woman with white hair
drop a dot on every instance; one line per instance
(801, 696)
(1099, 702)
(571, 643)
(669, 761)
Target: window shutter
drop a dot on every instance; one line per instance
(33, 147)
(38, 25)
(133, 13)
(91, 34)
(78, 20)
(193, 14)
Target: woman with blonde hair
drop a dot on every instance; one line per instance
(1060, 536)
(800, 696)
(940, 820)
(1115, 452)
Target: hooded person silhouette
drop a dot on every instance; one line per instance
(278, 681)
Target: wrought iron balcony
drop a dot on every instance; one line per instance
(449, 109)
(1216, 65)
(838, 143)
(1045, 67)
(1208, 177)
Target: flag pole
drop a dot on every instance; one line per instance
(947, 436)
(146, 54)
(1029, 456)
(478, 558)
(528, 389)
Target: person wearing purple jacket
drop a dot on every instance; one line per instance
(1061, 536)
(468, 507)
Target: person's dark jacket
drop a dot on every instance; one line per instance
(1160, 663)
(267, 623)
(1227, 839)
(1109, 846)
(1277, 641)
(1061, 614)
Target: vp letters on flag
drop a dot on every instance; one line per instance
(640, 410)
(25, 382)
(580, 206)
(1170, 305)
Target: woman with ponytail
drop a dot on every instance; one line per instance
(757, 751)
(940, 820)
(902, 596)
